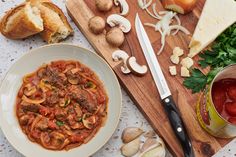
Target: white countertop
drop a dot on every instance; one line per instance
(11, 50)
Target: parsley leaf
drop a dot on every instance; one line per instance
(59, 123)
(196, 82)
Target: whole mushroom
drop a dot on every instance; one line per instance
(97, 24)
(115, 37)
(104, 5)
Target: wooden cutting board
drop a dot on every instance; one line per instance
(142, 89)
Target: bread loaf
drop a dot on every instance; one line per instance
(21, 22)
(36, 16)
(56, 26)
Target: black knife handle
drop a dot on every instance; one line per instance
(178, 126)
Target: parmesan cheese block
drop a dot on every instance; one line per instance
(178, 51)
(217, 15)
(174, 59)
(172, 70)
(184, 72)
(187, 62)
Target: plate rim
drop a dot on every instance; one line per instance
(85, 51)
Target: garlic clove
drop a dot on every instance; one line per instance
(149, 143)
(131, 133)
(153, 148)
(131, 148)
(155, 152)
(150, 134)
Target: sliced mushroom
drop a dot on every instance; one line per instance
(63, 102)
(73, 80)
(89, 120)
(121, 55)
(137, 69)
(131, 133)
(131, 148)
(120, 21)
(124, 6)
(74, 71)
(115, 37)
(125, 69)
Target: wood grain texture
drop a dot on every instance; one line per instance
(142, 90)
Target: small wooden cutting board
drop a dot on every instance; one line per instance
(142, 89)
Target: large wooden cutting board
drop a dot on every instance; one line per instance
(142, 89)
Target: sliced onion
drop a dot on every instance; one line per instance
(44, 86)
(155, 12)
(150, 25)
(141, 4)
(164, 24)
(34, 101)
(163, 37)
(144, 5)
(163, 12)
(178, 23)
(151, 14)
(181, 28)
(30, 89)
(88, 120)
(147, 4)
(36, 120)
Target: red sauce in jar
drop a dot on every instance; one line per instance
(224, 98)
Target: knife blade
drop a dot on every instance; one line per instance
(164, 91)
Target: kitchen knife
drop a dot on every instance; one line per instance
(164, 91)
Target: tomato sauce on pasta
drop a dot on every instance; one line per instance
(62, 105)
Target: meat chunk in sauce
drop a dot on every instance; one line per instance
(56, 78)
(74, 79)
(60, 114)
(84, 98)
(52, 98)
(30, 107)
(42, 124)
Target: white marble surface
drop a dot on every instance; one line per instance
(11, 50)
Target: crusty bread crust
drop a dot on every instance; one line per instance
(51, 26)
(22, 26)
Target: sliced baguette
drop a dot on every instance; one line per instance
(56, 26)
(21, 22)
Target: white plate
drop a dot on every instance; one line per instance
(31, 62)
